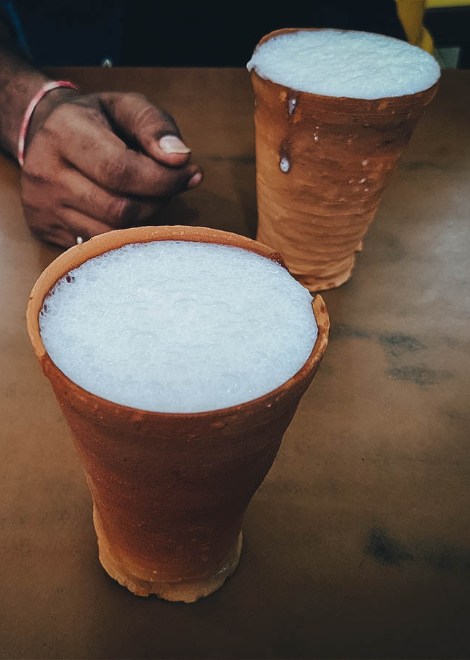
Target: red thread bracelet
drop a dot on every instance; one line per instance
(47, 87)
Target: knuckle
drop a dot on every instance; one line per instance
(120, 211)
(54, 228)
(146, 116)
(94, 115)
(177, 184)
(43, 229)
(167, 117)
(137, 97)
(115, 173)
(32, 174)
(149, 118)
(149, 209)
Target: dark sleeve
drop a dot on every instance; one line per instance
(11, 21)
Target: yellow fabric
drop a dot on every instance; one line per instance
(410, 13)
(434, 4)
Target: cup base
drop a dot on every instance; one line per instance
(317, 285)
(316, 273)
(186, 591)
(332, 278)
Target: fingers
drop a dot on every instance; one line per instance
(114, 210)
(63, 227)
(75, 206)
(81, 225)
(102, 156)
(60, 236)
(152, 129)
(81, 178)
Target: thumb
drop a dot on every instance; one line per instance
(148, 127)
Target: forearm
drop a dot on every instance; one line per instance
(19, 82)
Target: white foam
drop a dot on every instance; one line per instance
(176, 326)
(345, 64)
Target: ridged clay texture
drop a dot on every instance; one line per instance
(339, 154)
(170, 490)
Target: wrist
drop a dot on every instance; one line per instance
(27, 129)
(45, 107)
(17, 87)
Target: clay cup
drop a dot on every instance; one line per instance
(170, 490)
(322, 164)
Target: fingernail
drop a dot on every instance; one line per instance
(195, 180)
(173, 145)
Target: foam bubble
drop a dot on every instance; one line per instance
(345, 64)
(175, 326)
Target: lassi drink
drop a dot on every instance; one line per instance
(178, 356)
(334, 112)
(176, 326)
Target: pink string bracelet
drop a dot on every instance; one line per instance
(47, 87)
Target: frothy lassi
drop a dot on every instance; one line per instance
(179, 324)
(334, 112)
(345, 64)
(176, 326)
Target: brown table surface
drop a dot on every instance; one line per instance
(357, 544)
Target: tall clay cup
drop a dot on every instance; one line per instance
(170, 490)
(322, 164)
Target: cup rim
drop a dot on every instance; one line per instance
(428, 93)
(79, 254)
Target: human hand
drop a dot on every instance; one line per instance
(99, 162)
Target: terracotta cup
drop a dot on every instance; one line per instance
(170, 490)
(322, 164)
